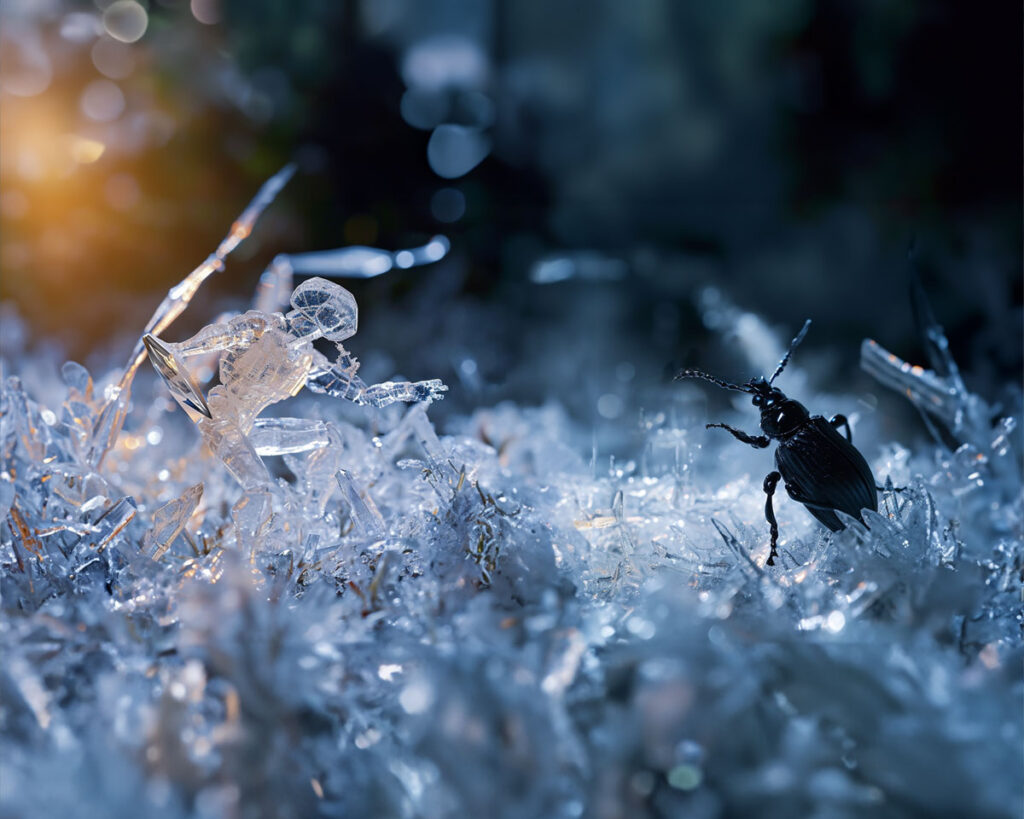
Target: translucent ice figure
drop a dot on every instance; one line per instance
(266, 358)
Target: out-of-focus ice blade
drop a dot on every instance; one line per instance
(926, 390)
(355, 262)
(581, 264)
(359, 262)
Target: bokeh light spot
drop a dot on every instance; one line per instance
(685, 777)
(609, 406)
(85, 151)
(206, 12)
(125, 20)
(112, 58)
(80, 27)
(448, 205)
(102, 101)
(455, 150)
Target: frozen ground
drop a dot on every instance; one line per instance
(500, 620)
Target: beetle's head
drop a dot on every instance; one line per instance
(779, 415)
(765, 396)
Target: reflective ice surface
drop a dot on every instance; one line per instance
(396, 622)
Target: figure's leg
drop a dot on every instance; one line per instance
(770, 482)
(284, 436)
(759, 441)
(840, 421)
(233, 447)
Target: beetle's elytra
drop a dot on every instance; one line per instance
(819, 467)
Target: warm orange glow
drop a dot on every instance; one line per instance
(34, 144)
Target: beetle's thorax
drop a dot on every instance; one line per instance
(782, 418)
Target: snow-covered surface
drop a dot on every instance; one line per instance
(496, 621)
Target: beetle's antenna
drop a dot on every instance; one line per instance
(699, 374)
(792, 346)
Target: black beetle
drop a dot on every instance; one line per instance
(821, 469)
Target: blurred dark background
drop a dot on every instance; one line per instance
(619, 181)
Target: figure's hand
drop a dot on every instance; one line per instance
(432, 390)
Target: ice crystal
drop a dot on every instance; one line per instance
(386, 621)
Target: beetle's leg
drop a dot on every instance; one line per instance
(770, 482)
(880, 488)
(759, 441)
(840, 421)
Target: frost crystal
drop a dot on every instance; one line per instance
(372, 619)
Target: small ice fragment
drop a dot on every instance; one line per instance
(169, 520)
(111, 522)
(364, 510)
(94, 502)
(6, 496)
(251, 516)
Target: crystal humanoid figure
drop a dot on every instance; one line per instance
(266, 358)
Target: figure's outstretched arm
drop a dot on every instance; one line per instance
(339, 380)
(389, 392)
(241, 331)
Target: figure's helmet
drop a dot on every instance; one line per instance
(323, 308)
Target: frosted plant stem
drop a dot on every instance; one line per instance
(112, 416)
